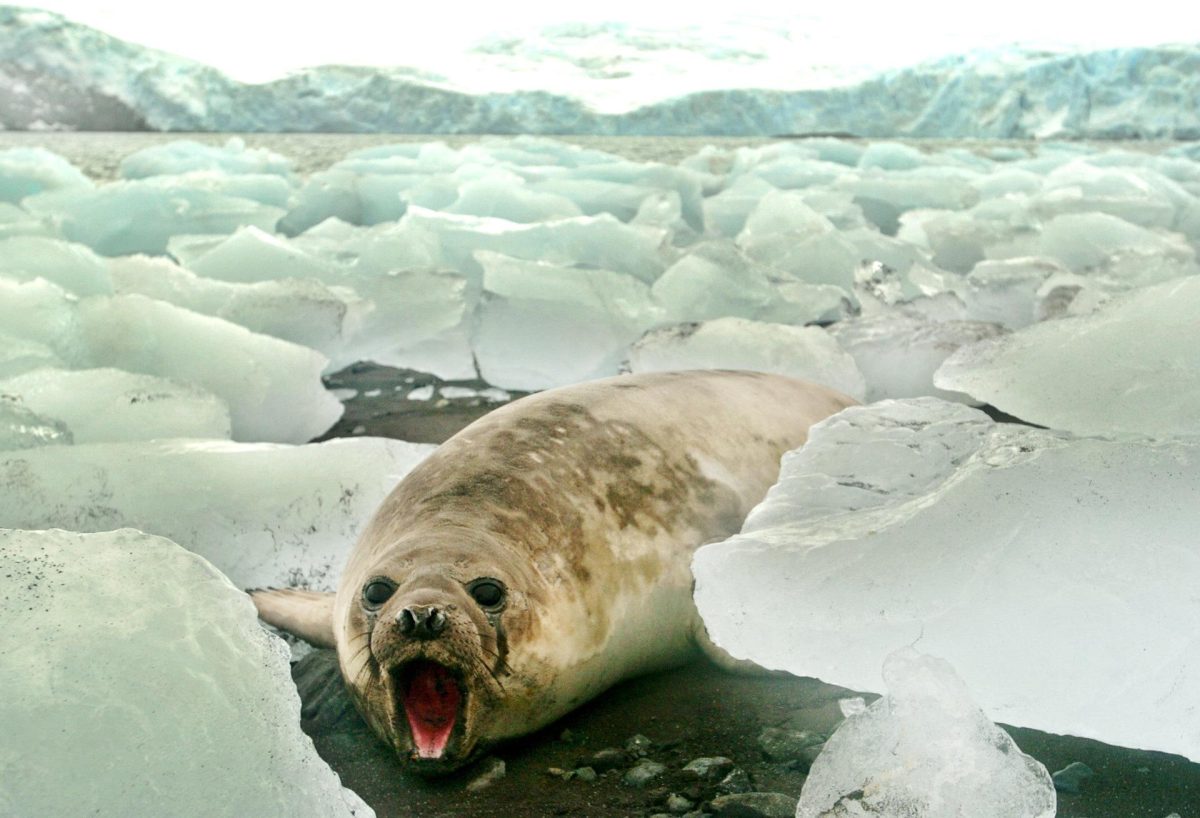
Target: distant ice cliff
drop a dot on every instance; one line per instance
(55, 74)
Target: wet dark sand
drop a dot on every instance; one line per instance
(691, 712)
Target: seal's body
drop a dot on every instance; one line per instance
(543, 553)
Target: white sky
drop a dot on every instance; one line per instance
(257, 41)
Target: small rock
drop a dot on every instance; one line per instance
(661, 815)
(638, 746)
(586, 774)
(645, 772)
(754, 805)
(678, 805)
(780, 744)
(494, 770)
(1071, 777)
(696, 814)
(608, 759)
(738, 781)
(567, 736)
(713, 767)
(558, 772)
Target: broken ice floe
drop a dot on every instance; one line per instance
(26, 171)
(186, 156)
(808, 353)
(272, 388)
(1132, 366)
(924, 749)
(265, 515)
(922, 522)
(133, 672)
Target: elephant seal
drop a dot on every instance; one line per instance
(543, 554)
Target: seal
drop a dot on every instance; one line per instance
(543, 554)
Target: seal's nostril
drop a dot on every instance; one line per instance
(406, 621)
(436, 623)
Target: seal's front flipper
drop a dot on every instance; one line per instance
(307, 614)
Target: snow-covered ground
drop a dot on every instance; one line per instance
(802, 75)
(163, 338)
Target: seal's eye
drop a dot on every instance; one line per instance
(377, 591)
(489, 593)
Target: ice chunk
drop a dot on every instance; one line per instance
(715, 280)
(958, 240)
(1084, 240)
(592, 241)
(1008, 292)
(504, 195)
(138, 217)
(541, 325)
(264, 188)
(273, 388)
(923, 522)
(265, 515)
(186, 155)
(779, 221)
(924, 749)
(73, 267)
(16, 222)
(884, 196)
(892, 156)
(19, 355)
(899, 350)
(251, 254)
(26, 171)
(100, 405)
(154, 672)
(807, 353)
(302, 311)
(22, 428)
(1131, 366)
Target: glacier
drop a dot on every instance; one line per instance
(79, 78)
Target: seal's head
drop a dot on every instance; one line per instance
(427, 651)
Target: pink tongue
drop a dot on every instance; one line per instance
(431, 704)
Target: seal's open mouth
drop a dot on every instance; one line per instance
(431, 695)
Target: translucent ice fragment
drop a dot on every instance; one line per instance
(186, 155)
(924, 749)
(22, 428)
(74, 267)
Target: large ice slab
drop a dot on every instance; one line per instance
(26, 171)
(808, 353)
(74, 267)
(102, 405)
(22, 428)
(140, 216)
(137, 681)
(924, 749)
(1131, 366)
(541, 325)
(923, 523)
(272, 387)
(264, 514)
(187, 155)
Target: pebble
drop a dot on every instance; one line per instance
(678, 805)
(608, 759)
(781, 744)
(638, 746)
(586, 774)
(755, 805)
(645, 772)
(493, 772)
(1071, 777)
(709, 767)
(738, 781)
